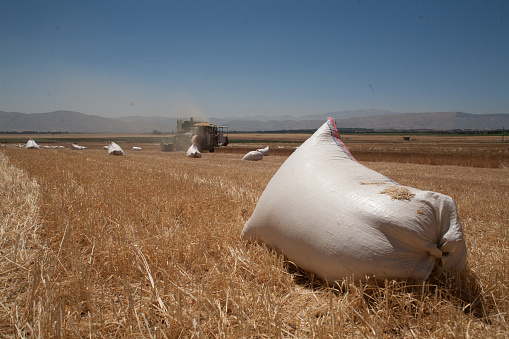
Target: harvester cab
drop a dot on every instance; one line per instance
(206, 136)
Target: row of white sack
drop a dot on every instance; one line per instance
(135, 148)
(37, 147)
(257, 155)
(193, 152)
(31, 144)
(113, 148)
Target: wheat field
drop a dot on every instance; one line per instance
(147, 245)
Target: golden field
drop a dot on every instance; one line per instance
(148, 245)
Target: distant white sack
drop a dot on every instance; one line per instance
(193, 152)
(115, 149)
(77, 147)
(136, 148)
(106, 147)
(31, 144)
(333, 216)
(265, 151)
(253, 156)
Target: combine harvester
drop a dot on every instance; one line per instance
(202, 134)
(334, 217)
(114, 149)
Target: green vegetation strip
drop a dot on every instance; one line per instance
(254, 141)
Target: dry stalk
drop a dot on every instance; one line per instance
(148, 245)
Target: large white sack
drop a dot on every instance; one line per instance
(265, 151)
(253, 156)
(115, 149)
(334, 217)
(193, 152)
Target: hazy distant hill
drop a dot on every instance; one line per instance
(149, 124)
(321, 116)
(67, 121)
(432, 121)
(390, 120)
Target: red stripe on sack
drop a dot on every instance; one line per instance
(335, 132)
(337, 138)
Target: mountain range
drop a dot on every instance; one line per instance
(75, 122)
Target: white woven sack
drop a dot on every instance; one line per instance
(253, 156)
(193, 152)
(32, 144)
(77, 147)
(334, 217)
(115, 149)
(265, 151)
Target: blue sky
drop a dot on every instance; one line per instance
(245, 58)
